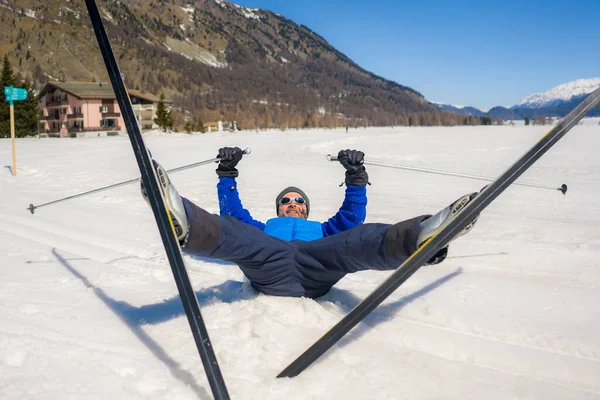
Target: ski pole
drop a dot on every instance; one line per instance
(32, 208)
(562, 188)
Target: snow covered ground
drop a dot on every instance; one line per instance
(89, 308)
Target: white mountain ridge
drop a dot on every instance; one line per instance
(561, 93)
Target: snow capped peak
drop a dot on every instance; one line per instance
(250, 13)
(561, 93)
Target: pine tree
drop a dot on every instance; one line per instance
(200, 126)
(171, 121)
(26, 113)
(163, 119)
(7, 78)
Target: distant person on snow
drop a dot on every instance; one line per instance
(290, 255)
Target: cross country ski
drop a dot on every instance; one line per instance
(163, 219)
(441, 238)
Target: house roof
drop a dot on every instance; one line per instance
(147, 96)
(95, 91)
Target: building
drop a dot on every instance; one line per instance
(75, 109)
(220, 126)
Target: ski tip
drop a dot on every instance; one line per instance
(31, 208)
(563, 188)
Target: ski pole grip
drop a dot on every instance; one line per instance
(246, 151)
(563, 188)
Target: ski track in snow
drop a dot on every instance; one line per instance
(513, 308)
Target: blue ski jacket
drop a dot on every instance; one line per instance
(352, 213)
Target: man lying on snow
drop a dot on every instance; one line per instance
(291, 255)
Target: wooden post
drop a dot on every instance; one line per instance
(12, 138)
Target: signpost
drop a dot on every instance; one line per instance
(13, 94)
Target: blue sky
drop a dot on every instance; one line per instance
(479, 53)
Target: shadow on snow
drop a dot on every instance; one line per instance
(347, 301)
(135, 317)
(229, 292)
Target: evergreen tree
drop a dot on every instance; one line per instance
(163, 119)
(171, 121)
(526, 120)
(7, 78)
(200, 126)
(485, 120)
(26, 113)
(310, 122)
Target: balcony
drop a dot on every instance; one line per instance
(143, 107)
(96, 129)
(111, 115)
(49, 118)
(75, 116)
(57, 103)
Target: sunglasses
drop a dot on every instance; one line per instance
(297, 200)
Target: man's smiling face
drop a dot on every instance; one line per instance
(289, 207)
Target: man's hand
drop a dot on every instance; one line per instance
(353, 161)
(229, 158)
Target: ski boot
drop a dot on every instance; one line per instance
(173, 202)
(443, 218)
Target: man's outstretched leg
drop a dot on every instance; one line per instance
(266, 261)
(373, 247)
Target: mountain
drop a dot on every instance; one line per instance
(556, 102)
(501, 112)
(460, 110)
(215, 59)
(560, 94)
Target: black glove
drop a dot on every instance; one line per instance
(353, 161)
(229, 157)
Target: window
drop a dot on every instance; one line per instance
(107, 123)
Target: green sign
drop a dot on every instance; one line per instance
(14, 94)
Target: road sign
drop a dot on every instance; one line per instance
(14, 94)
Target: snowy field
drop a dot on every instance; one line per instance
(89, 308)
